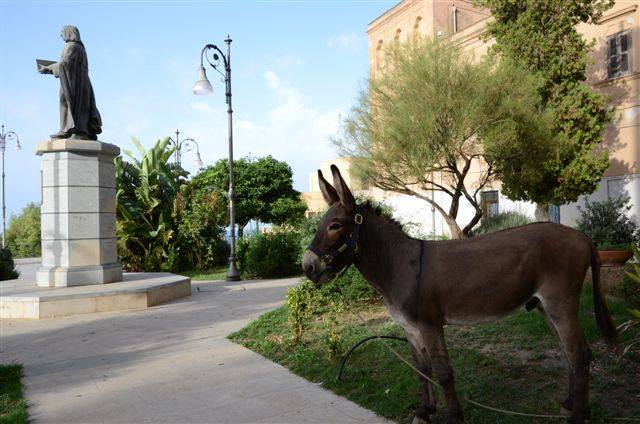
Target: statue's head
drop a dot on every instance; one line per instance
(70, 33)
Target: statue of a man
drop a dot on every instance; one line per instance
(79, 116)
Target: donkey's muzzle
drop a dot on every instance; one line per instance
(314, 269)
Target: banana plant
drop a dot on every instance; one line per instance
(148, 208)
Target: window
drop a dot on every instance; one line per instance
(416, 25)
(619, 52)
(489, 202)
(396, 37)
(379, 55)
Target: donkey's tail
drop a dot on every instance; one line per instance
(603, 316)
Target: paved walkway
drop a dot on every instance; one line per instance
(168, 364)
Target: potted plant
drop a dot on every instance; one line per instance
(610, 228)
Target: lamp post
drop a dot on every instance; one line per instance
(201, 88)
(4, 136)
(188, 144)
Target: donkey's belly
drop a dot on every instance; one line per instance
(399, 318)
(487, 314)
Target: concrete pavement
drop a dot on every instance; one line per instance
(168, 364)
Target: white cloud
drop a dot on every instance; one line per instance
(286, 61)
(272, 80)
(346, 41)
(290, 130)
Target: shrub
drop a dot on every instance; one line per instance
(501, 221)
(23, 234)
(306, 299)
(201, 230)
(7, 267)
(300, 305)
(628, 289)
(307, 229)
(270, 255)
(633, 277)
(607, 223)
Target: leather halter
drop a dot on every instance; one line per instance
(328, 258)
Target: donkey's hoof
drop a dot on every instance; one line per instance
(418, 420)
(565, 412)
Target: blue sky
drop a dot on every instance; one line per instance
(296, 68)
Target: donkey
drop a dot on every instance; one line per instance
(428, 284)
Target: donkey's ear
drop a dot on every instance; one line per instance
(346, 198)
(329, 193)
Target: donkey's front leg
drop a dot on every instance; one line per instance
(433, 337)
(427, 407)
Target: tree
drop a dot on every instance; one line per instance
(541, 37)
(23, 234)
(200, 228)
(264, 188)
(435, 120)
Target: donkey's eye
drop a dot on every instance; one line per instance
(335, 226)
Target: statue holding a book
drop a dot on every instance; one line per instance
(79, 116)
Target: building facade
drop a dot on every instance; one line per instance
(615, 72)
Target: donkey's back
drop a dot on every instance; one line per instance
(486, 277)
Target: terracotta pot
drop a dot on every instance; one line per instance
(614, 257)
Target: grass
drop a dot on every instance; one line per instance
(219, 273)
(13, 409)
(514, 363)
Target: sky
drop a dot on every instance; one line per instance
(297, 67)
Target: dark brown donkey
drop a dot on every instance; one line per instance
(427, 284)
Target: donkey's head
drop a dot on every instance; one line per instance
(336, 241)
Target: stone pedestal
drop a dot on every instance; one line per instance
(78, 213)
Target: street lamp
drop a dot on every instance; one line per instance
(4, 136)
(201, 88)
(188, 144)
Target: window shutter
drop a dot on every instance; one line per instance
(612, 63)
(625, 47)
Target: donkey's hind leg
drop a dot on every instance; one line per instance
(563, 315)
(427, 407)
(567, 404)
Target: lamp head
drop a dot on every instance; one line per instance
(203, 86)
(18, 146)
(198, 161)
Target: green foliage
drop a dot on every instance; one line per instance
(633, 277)
(333, 338)
(299, 301)
(200, 230)
(607, 223)
(272, 254)
(501, 221)
(147, 208)
(13, 408)
(487, 360)
(434, 112)
(7, 267)
(264, 188)
(307, 299)
(629, 288)
(542, 38)
(165, 223)
(23, 233)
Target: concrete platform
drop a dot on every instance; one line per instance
(136, 291)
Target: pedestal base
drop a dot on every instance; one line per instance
(52, 276)
(78, 213)
(137, 291)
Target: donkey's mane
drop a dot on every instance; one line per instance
(398, 227)
(393, 224)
